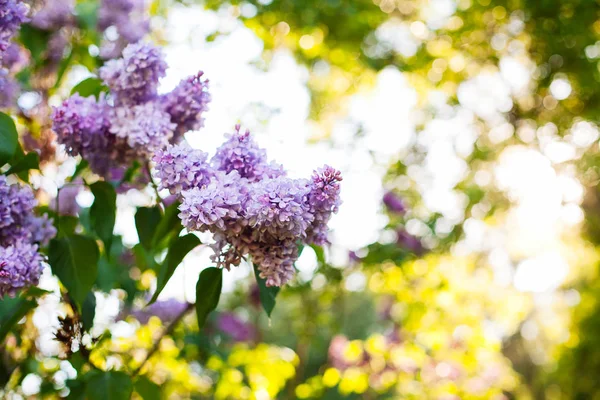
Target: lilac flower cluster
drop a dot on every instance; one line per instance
(128, 20)
(187, 103)
(235, 328)
(54, 14)
(13, 60)
(12, 14)
(165, 310)
(250, 205)
(20, 233)
(133, 121)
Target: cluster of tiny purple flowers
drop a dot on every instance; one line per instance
(123, 22)
(133, 121)
(21, 231)
(250, 205)
(54, 14)
(12, 14)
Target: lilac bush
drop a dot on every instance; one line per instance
(12, 14)
(20, 233)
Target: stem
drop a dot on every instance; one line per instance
(154, 185)
(167, 331)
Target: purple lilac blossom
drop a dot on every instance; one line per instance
(409, 242)
(9, 89)
(12, 14)
(242, 154)
(128, 18)
(324, 199)
(145, 127)
(134, 78)
(133, 123)
(394, 203)
(235, 328)
(65, 202)
(250, 212)
(20, 230)
(54, 14)
(215, 207)
(279, 208)
(180, 168)
(187, 103)
(20, 267)
(82, 125)
(165, 310)
(17, 220)
(13, 60)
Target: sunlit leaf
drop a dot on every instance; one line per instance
(74, 259)
(267, 294)
(208, 292)
(103, 212)
(108, 385)
(9, 138)
(147, 220)
(177, 251)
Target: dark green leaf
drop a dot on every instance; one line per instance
(9, 138)
(90, 87)
(147, 389)
(147, 220)
(103, 212)
(108, 385)
(65, 225)
(266, 294)
(87, 14)
(208, 292)
(177, 251)
(76, 389)
(130, 173)
(74, 260)
(35, 40)
(79, 169)
(31, 160)
(88, 311)
(12, 310)
(169, 225)
(143, 258)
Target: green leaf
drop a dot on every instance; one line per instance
(76, 387)
(88, 311)
(103, 212)
(130, 173)
(266, 294)
(169, 225)
(208, 292)
(35, 40)
(178, 249)
(147, 220)
(143, 258)
(87, 14)
(90, 87)
(9, 138)
(109, 385)
(65, 225)
(12, 310)
(74, 259)
(83, 164)
(147, 389)
(31, 160)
